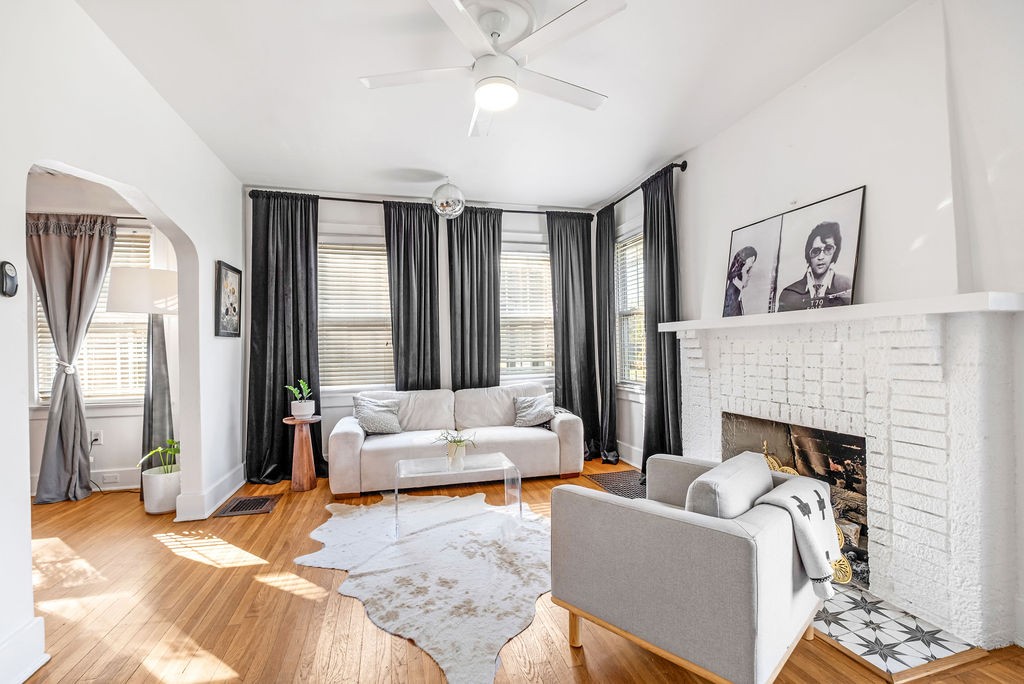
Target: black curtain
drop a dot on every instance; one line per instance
(606, 346)
(575, 390)
(282, 330)
(474, 278)
(661, 305)
(410, 233)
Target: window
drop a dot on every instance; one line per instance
(355, 316)
(629, 309)
(111, 365)
(527, 328)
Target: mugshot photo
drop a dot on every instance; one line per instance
(818, 253)
(750, 274)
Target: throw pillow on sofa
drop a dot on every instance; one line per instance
(377, 416)
(531, 411)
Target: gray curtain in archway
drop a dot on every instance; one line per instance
(575, 388)
(661, 305)
(474, 278)
(157, 418)
(283, 343)
(410, 236)
(606, 342)
(69, 256)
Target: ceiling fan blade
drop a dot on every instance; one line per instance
(410, 77)
(575, 20)
(560, 90)
(465, 28)
(480, 125)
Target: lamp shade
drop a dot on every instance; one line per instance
(142, 290)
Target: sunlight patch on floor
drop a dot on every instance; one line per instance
(179, 659)
(79, 607)
(208, 549)
(55, 564)
(293, 584)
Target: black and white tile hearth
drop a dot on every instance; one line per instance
(883, 635)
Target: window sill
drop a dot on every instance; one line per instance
(106, 409)
(631, 392)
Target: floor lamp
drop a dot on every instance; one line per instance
(155, 292)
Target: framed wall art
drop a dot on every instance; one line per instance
(228, 301)
(805, 258)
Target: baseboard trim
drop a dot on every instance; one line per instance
(202, 505)
(632, 455)
(23, 653)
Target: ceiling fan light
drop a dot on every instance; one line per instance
(496, 93)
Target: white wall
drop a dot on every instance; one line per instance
(874, 115)
(70, 97)
(926, 112)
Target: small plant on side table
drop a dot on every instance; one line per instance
(303, 406)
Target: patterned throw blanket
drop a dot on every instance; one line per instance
(814, 527)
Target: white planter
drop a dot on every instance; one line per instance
(303, 409)
(161, 489)
(456, 452)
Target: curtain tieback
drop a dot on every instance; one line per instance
(69, 369)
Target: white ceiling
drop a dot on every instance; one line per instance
(272, 87)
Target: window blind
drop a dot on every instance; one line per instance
(111, 365)
(354, 316)
(629, 309)
(527, 328)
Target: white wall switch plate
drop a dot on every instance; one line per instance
(96, 437)
(111, 478)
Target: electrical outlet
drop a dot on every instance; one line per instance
(96, 437)
(111, 478)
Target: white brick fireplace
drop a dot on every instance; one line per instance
(931, 386)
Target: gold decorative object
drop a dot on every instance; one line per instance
(774, 463)
(842, 573)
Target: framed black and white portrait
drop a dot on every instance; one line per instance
(228, 301)
(818, 253)
(751, 274)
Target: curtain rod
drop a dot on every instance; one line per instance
(678, 165)
(364, 201)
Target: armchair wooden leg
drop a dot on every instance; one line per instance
(809, 633)
(574, 630)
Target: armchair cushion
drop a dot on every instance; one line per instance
(730, 488)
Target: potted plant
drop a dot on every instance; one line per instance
(162, 484)
(303, 406)
(456, 442)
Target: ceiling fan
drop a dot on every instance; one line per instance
(501, 39)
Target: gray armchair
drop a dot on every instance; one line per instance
(726, 598)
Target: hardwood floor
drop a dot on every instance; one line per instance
(129, 597)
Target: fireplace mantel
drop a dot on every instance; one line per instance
(974, 302)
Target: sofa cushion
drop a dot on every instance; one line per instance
(533, 450)
(730, 488)
(491, 406)
(376, 416)
(421, 409)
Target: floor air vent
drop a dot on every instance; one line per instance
(248, 505)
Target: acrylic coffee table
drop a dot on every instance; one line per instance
(435, 471)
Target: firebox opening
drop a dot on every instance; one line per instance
(828, 456)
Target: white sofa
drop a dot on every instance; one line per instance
(359, 462)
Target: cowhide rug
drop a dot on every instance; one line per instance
(460, 582)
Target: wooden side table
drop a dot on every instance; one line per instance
(303, 472)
